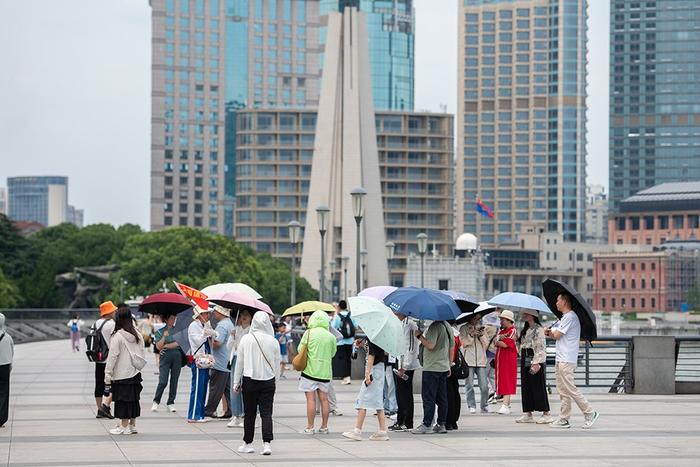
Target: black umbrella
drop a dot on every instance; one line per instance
(551, 290)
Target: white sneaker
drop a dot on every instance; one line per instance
(171, 408)
(544, 420)
(525, 419)
(379, 436)
(346, 380)
(336, 412)
(309, 431)
(133, 429)
(504, 410)
(267, 449)
(590, 420)
(120, 430)
(355, 435)
(472, 410)
(322, 431)
(154, 407)
(236, 422)
(246, 448)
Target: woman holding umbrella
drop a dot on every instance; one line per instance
(170, 363)
(533, 378)
(506, 360)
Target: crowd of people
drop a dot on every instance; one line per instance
(237, 360)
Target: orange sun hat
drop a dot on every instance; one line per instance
(107, 308)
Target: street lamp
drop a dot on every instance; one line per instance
(363, 256)
(358, 210)
(345, 260)
(389, 248)
(322, 212)
(294, 228)
(331, 268)
(121, 290)
(422, 247)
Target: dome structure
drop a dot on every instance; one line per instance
(467, 242)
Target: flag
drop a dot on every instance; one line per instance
(483, 209)
(193, 295)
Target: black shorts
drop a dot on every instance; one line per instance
(100, 379)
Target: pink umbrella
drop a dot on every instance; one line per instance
(238, 301)
(379, 292)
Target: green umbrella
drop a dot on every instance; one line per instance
(379, 324)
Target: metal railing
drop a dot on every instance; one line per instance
(688, 359)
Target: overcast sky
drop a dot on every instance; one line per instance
(75, 94)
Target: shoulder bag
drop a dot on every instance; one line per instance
(263, 352)
(302, 359)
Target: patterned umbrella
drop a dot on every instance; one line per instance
(379, 324)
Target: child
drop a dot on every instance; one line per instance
(371, 396)
(282, 337)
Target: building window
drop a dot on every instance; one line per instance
(443, 284)
(612, 284)
(649, 222)
(653, 302)
(693, 221)
(653, 283)
(603, 284)
(663, 222)
(612, 302)
(602, 302)
(623, 284)
(603, 266)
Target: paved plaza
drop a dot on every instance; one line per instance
(52, 423)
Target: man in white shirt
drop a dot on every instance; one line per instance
(567, 333)
(407, 364)
(105, 325)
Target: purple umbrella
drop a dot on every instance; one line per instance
(379, 292)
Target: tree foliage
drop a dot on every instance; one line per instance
(9, 293)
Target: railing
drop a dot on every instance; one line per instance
(688, 359)
(13, 314)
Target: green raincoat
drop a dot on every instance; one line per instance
(322, 347)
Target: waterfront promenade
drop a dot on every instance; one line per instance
(52, 423)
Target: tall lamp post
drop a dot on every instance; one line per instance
(322, 212)
(294, 228)
(345, 261)
(422, 248)
(363, 256)
(389, 247)
(331, 269)
(358, 210)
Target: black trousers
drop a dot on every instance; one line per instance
(533, 388)
(4, 392)
(100, 379)
(257, 395)
(341, 361)
(404, 398)
(454, 401)
(219, 386)
(434, 392)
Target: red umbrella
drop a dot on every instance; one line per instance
(164, 304)
(238, 301)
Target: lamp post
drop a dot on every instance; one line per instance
(345, 261)
(422, 247)
(389, 248)
(322, 213)
(331, 269)
(121, 290)
(358, 210)
(363, 256)
(294, 228)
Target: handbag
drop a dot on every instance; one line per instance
(263, 352)
(302, 359)
(137, 361)
(460, 369)
(204, 361)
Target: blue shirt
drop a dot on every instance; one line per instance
(337, 322)
(221, 355)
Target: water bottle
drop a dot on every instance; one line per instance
(403, 377)
(354, 352)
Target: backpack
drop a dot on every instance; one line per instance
(97, 348)
(347, 327)
(74, 327)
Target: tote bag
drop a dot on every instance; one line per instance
(301, 360)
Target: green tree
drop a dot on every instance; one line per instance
(13, 248)
(9, 293)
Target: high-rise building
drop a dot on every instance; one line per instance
(3, 201)
(596, 214)
(521, 119)
(654, 95)
(38, 199)
(75, 216)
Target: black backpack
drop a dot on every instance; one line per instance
(97, 348)
(347, 327)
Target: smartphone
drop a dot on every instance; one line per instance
(371, 379)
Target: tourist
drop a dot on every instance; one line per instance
(533, 376)
(103, 328)
(408, 363)
(199, 334)
(158, 324)
(315, 379)
(371, 395)
(567, 333)
(243, 320)
(74, 326)
(454, 400)
(506, 361)
(282, 338)
(257, 367)
(7, 353)
(123, 371)
(344, 323)
(474, 345)
(391, 406)
(437, 348)
(291, 343)
(169, 365)
(220, 374)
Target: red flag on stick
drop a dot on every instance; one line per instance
(193, 295)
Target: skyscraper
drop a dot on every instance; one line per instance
(38, 199)
(654, 95)
(521, 116)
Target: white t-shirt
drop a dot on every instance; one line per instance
(107, 329)
(567, 345)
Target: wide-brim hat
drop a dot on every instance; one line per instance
(196, 311)
(534, 313)
(223, 310)
(507, 314)
(107, 308)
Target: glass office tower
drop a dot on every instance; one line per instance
(654, 95)
(521, 118)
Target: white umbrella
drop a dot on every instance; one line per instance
(379, 323)
(213, 292)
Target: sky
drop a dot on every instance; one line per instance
(75, 94)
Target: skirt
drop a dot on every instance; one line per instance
(126, 394)
(533, 388)
(372, 397)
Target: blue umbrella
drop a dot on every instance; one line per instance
(466, 303)
(516, 301)
(182, 324)
(422, 304)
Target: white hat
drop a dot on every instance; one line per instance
(507, 314)
(198, 311)
(534, 313)
(222, 310)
